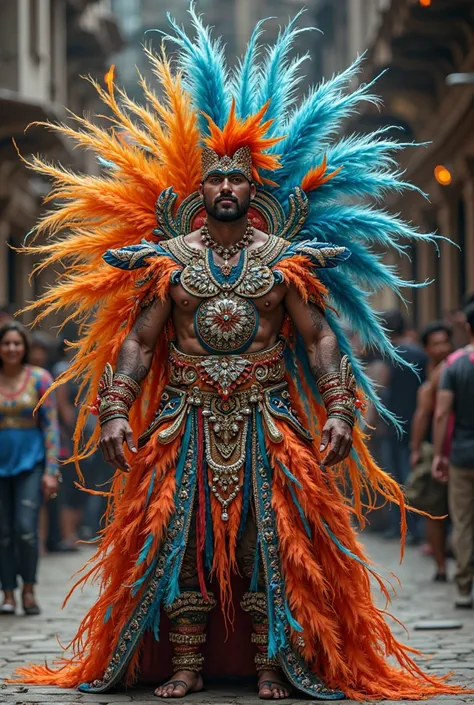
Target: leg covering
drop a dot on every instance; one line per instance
(188, 615)
(255, 603)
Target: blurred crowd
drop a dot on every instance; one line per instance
(433, 460)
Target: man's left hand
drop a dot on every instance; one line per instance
(49, 485)
(440, 468)
(337, 436)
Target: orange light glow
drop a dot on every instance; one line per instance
(443, 175)
(425, 3)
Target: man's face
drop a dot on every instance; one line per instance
(438, 346)
(227, 197)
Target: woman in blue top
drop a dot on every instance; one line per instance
(28, 464)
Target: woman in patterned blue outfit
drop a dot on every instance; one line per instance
(28, 465)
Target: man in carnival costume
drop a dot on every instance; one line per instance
(228, 396)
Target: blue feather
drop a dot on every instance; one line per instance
(205, 74)
(362, 222)
(150, 487)
(292, 368)
(184, 447)
(107, 164)
(367, 268)
(291, 620)
(254, 583)
(173, 590)
(135, 587)
(142, 556)
(346, 551)
(289, 475)
(279, 79)
(300, 510)
(316, 121)
(246, 76)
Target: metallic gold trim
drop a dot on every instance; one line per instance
(171, 432)
(240, 162)
(273, 431)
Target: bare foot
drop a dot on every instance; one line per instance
(181, 684)
(270, 686)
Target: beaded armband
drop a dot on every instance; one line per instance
(338, 392)
(115, 397)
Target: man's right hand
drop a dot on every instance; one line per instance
(440, 468)
(113, 435)
(415, 457)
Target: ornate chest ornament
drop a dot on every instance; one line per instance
(226, 321)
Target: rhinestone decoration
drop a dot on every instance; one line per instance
(224, 371)
(241, 161)
(226, 323)
(226, 252)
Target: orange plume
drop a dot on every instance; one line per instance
(250, 132)
(317, 177)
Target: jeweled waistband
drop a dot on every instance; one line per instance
(226, 373)
(18, 422)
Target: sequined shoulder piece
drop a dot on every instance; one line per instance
(180, 251)
(134, 256)
(321, 254)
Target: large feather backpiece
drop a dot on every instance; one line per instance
(148, 148)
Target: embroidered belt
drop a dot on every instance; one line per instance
(226, 392)
(226, 373)
(17, 422)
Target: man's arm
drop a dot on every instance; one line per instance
(324, 357)
(134, 360)
(444, 408)
(425, 404)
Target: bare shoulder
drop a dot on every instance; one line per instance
(259, 239)
(193, 239)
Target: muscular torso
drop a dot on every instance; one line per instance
(270, 307)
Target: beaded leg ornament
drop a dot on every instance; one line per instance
(255, 604)
(188, 616)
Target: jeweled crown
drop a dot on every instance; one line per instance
(241, 161)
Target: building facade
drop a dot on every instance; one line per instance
(44, 47)
(418, 44)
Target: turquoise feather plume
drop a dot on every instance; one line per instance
(246, 76)
(279, 76)
(202, 60)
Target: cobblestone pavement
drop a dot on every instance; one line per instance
(419, 601)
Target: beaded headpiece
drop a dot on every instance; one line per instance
(240, 162)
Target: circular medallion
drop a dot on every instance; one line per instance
(226, 323)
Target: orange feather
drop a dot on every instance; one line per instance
(317, 177)
(250, 132)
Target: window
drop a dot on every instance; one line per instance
(33, 20)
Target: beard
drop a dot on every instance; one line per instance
(227, 213)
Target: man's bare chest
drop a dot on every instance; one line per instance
(228, 304)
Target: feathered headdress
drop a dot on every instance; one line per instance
(150, 148)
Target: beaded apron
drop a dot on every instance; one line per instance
(237, 399)
(226, 389)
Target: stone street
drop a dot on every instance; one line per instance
(425, 608)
